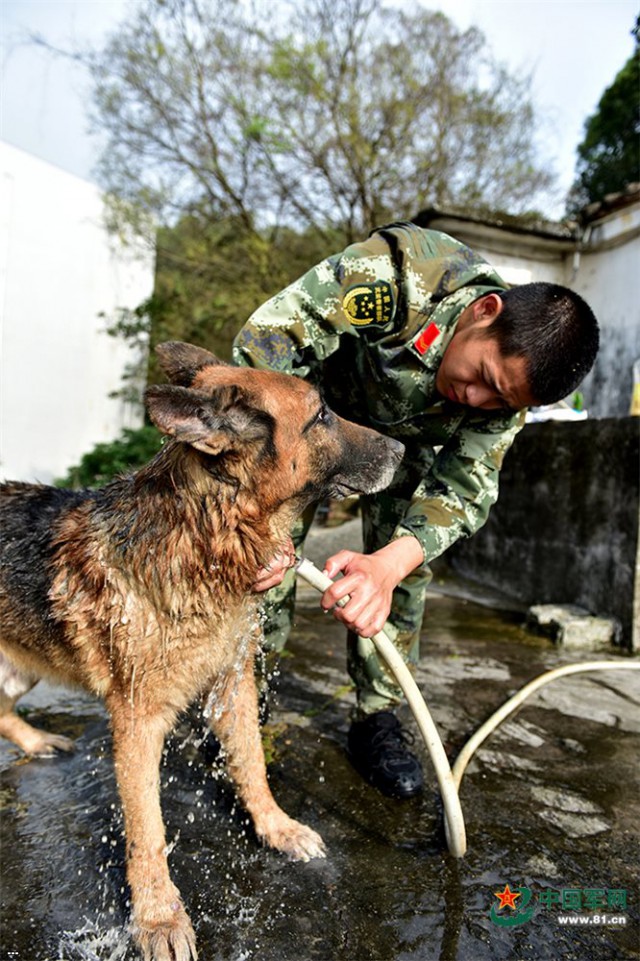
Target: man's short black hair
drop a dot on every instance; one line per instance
(557, 332)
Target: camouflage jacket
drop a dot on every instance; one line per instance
(370, 326)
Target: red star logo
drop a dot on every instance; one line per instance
(507, 898)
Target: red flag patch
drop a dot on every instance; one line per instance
(426, 338)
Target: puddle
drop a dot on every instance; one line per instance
(551, 804)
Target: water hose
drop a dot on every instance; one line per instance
(454, 820)
(448, 779)
(514, 702)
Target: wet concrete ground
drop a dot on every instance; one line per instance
(551, 804)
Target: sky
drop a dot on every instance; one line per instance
(574, 48)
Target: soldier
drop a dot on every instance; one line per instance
(411, 333)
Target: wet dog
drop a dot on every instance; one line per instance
(141, 592)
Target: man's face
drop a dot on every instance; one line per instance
(475, 373)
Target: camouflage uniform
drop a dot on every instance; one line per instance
(370, 327)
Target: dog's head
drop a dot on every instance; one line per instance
(268, 431)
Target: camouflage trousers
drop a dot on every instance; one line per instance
(376, 689)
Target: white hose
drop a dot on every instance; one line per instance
(448, 780)
(514, 702)
(454, 820)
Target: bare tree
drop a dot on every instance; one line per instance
(317, 114)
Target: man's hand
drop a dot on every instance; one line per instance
(273, 573)
(369, 580)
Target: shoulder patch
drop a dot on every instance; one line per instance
(369, 305)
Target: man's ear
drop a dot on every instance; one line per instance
(486, 309)
(181, 362)
(225, 420)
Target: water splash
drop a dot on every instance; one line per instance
(215, 705)
(168, 848)
(90, 943)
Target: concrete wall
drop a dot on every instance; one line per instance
(59, 271)
(565, 528)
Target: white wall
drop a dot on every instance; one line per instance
(608, 277)
(59, 270)
(520, 262)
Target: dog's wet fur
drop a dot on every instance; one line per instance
(141, 592)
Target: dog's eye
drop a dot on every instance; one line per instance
(324, 415)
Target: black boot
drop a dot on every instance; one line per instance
(377, 748)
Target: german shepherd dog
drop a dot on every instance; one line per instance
(141, 592)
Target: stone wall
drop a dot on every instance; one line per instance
(565, 528)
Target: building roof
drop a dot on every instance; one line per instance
(527, 225)
(565, 232)
(611, 203)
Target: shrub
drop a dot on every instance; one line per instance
(131, 450)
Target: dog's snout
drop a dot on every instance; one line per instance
(397, 448)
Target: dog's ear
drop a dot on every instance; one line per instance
(225, 420)
(181, 362)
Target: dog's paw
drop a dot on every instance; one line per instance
(168, 940)
(31, 739)
(296, 840)
(48, 745)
